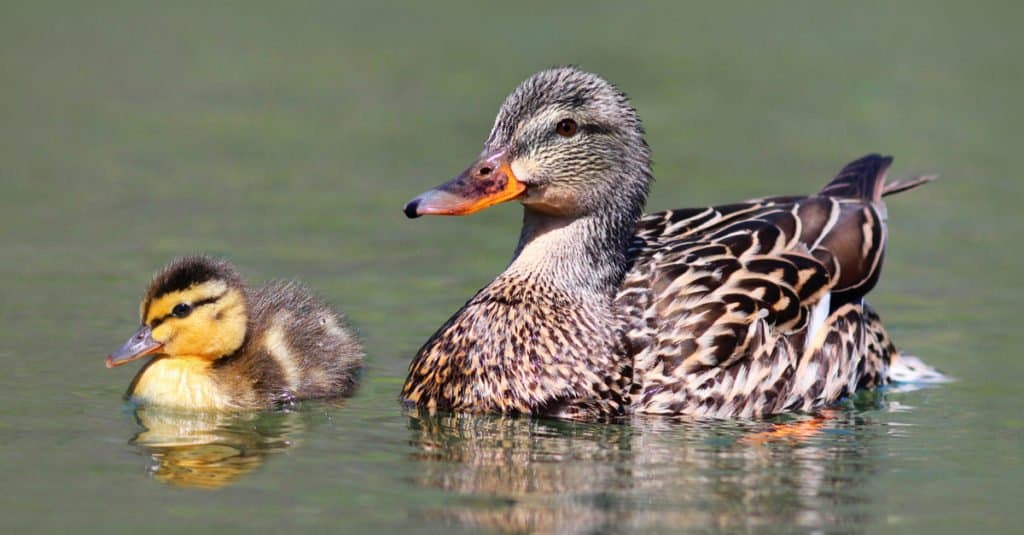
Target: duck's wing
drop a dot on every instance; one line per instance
(731, 306)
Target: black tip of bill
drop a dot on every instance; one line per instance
(411, 209)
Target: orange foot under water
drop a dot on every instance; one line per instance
(795, 431)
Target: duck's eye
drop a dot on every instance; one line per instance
(566, 128)
(181, 310)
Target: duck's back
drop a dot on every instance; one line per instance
(297, 347)
(755, 308)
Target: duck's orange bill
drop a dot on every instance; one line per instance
(139, 345)
(487, 182)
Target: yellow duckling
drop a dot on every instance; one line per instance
(218, 345)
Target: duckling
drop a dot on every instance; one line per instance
(219, 345)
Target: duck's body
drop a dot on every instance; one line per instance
(741, 310)
(758, 307)
(254, 348)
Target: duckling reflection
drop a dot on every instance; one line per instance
(526, 475)
(210, 450)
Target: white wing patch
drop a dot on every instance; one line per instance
(276, 344)
(818, 316)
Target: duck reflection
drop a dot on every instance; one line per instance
(211, 450)
(528, 475)
(531, 475)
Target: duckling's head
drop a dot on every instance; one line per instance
(565, 143)
(195, 308)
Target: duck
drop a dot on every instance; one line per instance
(743, 310)
(215, 344)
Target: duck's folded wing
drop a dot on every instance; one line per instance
(701, 295)
(750, 287)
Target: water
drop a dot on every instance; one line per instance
(287, 138)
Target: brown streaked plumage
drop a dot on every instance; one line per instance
(219, 345)
(741, 310)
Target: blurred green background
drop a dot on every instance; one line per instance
(287, 137)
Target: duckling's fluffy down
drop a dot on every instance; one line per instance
(297, 347)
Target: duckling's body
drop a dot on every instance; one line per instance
(237, 348)
(741, 310)
(186, 382)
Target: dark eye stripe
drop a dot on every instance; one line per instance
(595, 128)
(156, 323)
(207, 301)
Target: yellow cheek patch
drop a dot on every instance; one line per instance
(162, 306)
(211, 331)
(163, 332)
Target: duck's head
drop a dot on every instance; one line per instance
(195, 307)
(565, 143)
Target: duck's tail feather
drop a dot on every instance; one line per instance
(864, 178)
(906, 368)
(907, 183)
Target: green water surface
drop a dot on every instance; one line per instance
(287, 137)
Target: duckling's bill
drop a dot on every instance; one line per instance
(487, 182)
(139, 345)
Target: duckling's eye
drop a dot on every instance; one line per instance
(181, 310)
(566, 128)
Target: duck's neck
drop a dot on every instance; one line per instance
(583, 257)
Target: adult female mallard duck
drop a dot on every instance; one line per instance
(218, 345)
(742, 310)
